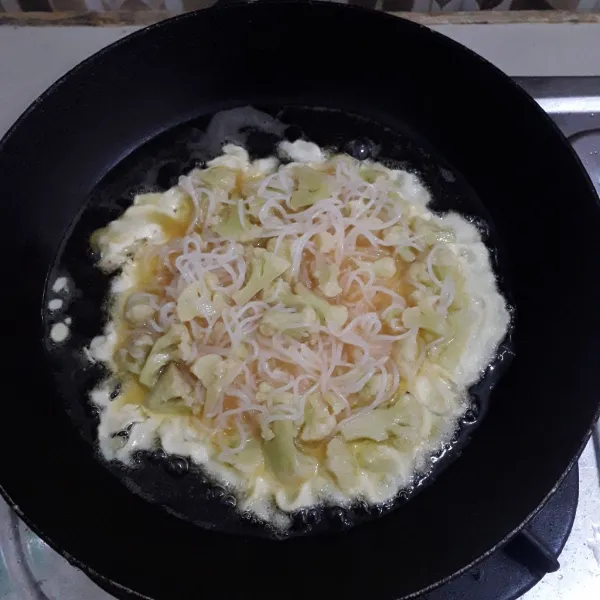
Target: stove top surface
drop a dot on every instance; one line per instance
(31, 570)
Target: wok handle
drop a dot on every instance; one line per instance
(531, 551)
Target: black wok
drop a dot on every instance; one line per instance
(128, 118)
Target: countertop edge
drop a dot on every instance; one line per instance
(124, 18)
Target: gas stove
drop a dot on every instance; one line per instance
(557, 556)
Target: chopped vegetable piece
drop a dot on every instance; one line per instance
(313, 185)
(298, 325)
(334, 314)
(328, 280)
(167, 395)
(266, 267)
(318, 422)
(284, 458)
(165, 349)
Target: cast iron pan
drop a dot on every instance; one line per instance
(133, 117)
